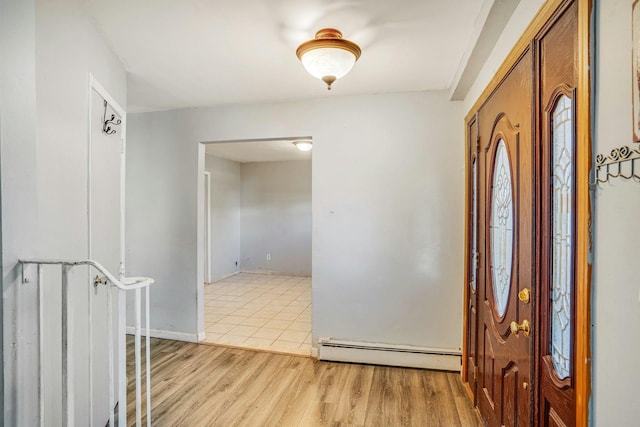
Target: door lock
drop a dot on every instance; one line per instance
(525, 295)
(525, 328)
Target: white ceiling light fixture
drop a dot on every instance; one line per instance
(303, 145)
(328, 57)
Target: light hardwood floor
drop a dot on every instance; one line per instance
(204, 385)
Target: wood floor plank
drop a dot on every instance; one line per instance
(385, 399)
(322, 406)
(230, 389)
(199, 412)
(178, 405)
(252, 402)
(352, 406)
(467, 413)
(290, 408)
(197, 385)
(417, 413)
(439, 399)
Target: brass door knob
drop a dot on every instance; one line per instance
(525, 295)
(525, 328)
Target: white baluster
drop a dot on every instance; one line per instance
(40, 346)
(67, 348)
(110, 353)
(137, 356)
(122, 357)
(68, 402)
(148, 353)
(90, 340)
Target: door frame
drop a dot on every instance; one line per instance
(207, 226)
(200, 306)
(584, 149)
(95, 86)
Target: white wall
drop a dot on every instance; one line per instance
(19, 201)
(616, 287)
(226, 200)
(519, 21)
(388, 174)
(160, 217)
(68, 48)
(52, 46)
(276, 217)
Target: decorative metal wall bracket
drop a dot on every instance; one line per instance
(106, 126)
(622, 162)
(99, 280)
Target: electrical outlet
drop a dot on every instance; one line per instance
(268, 257)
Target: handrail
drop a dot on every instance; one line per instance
(135, 282)
(123, 284)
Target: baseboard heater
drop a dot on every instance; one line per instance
(389, 354)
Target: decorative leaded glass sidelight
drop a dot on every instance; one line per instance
(562, 235)
(474, 226)
(501, 226)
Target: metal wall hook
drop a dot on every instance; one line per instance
(620, 163)
(106, 128)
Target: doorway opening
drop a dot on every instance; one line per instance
(207, 227)
(256, 265)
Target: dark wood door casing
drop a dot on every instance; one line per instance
(473, 256)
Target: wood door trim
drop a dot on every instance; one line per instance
(583, 198)
(471, 151)
(523, 43)
(467, 248)
(583, 216)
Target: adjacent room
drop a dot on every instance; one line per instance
(258, 244)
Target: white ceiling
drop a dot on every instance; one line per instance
(194, 53)
(257, 151)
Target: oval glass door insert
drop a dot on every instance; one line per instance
(501, 227)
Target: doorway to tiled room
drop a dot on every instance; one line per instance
(263, 311)
(257, 290)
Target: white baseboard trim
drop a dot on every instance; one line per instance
(167, 335)
(201, 336)
(272, 272)
(315, 353)
(223, 277)
(388, 354)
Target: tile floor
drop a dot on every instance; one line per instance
(260, 311)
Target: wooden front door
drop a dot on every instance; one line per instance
(506, 230)
(522, 231)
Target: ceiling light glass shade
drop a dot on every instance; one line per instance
(303, 145)
(328, 62)
(328, 57)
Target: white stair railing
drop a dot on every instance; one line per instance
(122, 285)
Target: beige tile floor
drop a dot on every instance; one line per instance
(260, 311)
